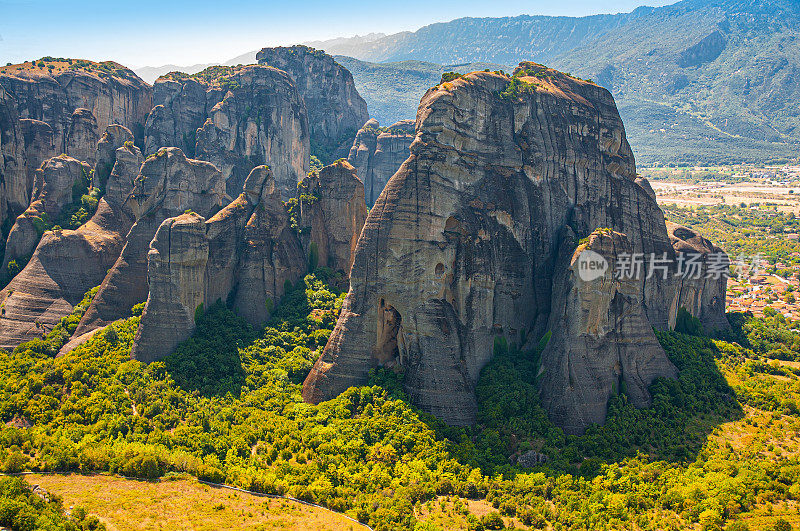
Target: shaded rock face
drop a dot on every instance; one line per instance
(39, 145)
(336, 110)
(702, 287)
(237, 119)
(114, 137)
(15, 186)
(332, 214)
(243, 255)
(167, 185)
(82, 136)
(708, 49)
(176, 264)
(180, 109)
(377, 154)
(68, 263)
(52, 191)
(112, 93)
(602, 342)
(462, 244)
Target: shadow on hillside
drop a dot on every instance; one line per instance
(209, 362)
(512, 422)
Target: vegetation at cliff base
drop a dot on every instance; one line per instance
(717, 448)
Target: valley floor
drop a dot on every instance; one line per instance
(183, 503)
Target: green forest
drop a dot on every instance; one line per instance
(717, 449)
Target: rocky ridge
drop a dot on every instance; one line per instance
(167, 184)
(246, 254)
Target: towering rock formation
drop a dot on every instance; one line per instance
(243, 255)
(114, 137)
(52, 191)
(703, 279)
(67, 263)
(39, 145)
(82, 136)
(336, 110)
(602, 342)
(167, 185)
(176, 267)
(50, 90)
(332, 214)
(14, 186)
(463, 244)
(378, 153)
(236, 118)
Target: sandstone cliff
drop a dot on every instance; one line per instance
(332, 214)
(704, 277)
(168, 184)
(236, 118)
(601, 342)
(52, 191)
(378, 153)
(14, 186)
(243, 255)
(50, 90)
(67, 263)
(462, 245)
(336, 110)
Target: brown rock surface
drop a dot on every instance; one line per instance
(702, 287)
(332, 214)
(52, 191)
(602, 342)
(176, 267)
(109, 91)
(336, 111)
(15, 187)
(82, 136)
(462, 244)
(243, 255)
(167, 185)
(378, 153)
(237, 118)
(68, 263)
(39, 147)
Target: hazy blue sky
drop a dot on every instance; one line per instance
(151, 32)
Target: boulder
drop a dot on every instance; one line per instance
(602, 343)
(332, 214)
(336, 110)
(378, 153)
(461, 246)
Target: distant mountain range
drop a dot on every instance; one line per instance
(709, 81)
